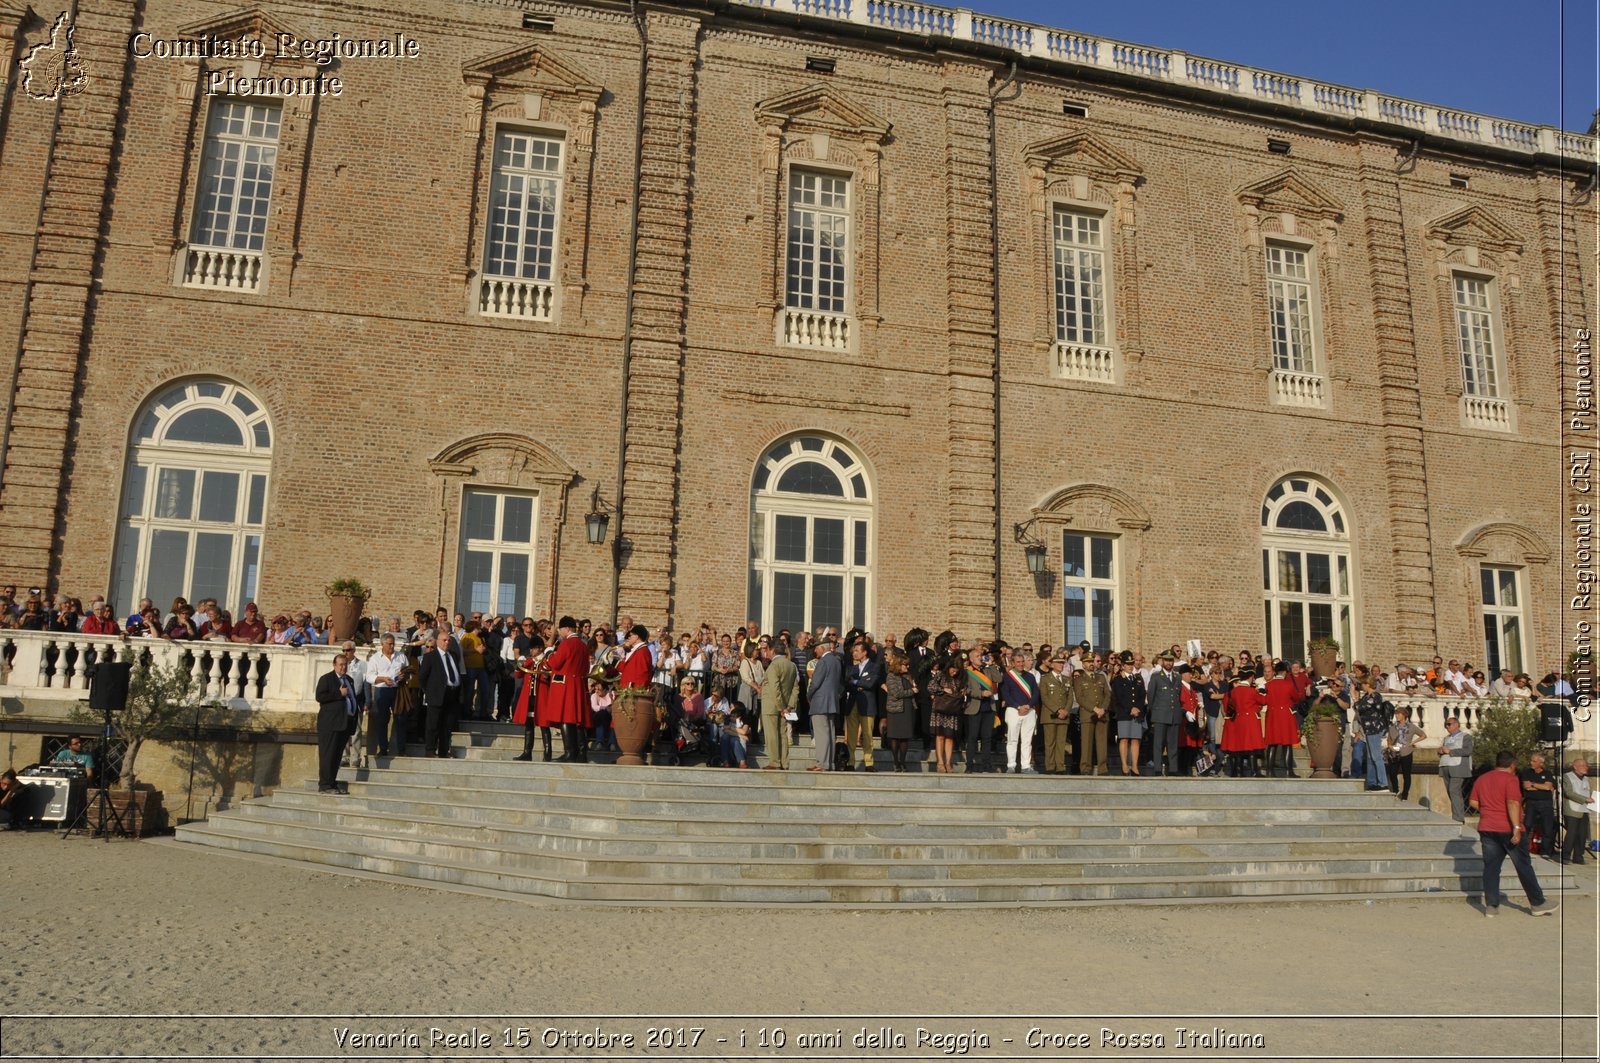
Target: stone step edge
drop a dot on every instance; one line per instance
(893, 784)
(559, 832)
(1386, 809)
(1151, 820)
(482, 846)
(542, 900)
(601, 880)
(701, 775)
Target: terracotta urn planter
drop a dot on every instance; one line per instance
(1324, 747)
(633, 717)
(347, 599)
(1324, 658)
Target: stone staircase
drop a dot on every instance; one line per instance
(604, 834)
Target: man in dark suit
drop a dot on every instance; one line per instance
(823, 693)
(1163, 697)
(441, 675)
(864, 678)
(339, 709)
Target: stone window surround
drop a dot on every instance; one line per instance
(815, 128)
(1078, 172)
(1472, 242)
(1286, 208)
(281, 250)
(506, 462)
(528, 88)
(1095, 509)
(1506, 544)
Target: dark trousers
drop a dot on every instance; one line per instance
(1496, 847)
(978, 731)
(441, 721)
(1577, 840)
(1166, 740)
(1399, 766)
(1540, 816)
(378, 712)
(331, 739)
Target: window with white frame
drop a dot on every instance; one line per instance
(241, 156)
(819, 239)
(495, 571)
(234, 196)
(1089, 589)
(811, 539)
(1306, 569)
(1080, 279)
(519, 256)
(194, 498)
(816, 286)
(1480, 373)
(1291, 286)
(1502, 619)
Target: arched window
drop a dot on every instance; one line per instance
(810, 537)
(1306, 573)
(193, 498)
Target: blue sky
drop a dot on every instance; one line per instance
(1504, 58)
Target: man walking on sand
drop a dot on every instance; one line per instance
(1497, 798)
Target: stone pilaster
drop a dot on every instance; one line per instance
(652, 439)
(1411, 588)
(970, 268)
(35, 481)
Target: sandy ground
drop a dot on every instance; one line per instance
(158, 929)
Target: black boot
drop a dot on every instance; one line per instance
(569, 745)
(544, 734)
(527, 745)
(580, 743)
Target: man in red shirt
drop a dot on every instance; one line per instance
(1497, 798)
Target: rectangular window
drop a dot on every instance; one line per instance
(819, 239)
(1475, 330)
(1080, 280)
(1290, 287)
(495, 570)
(524, 197)
(1089, 589)
(1502, 619)
(241, 156)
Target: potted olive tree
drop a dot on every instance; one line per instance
(347, 600)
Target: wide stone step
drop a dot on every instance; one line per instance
(1165, 888)
(346, 814)
(1107, 824)
(823, 789)
(489, 853)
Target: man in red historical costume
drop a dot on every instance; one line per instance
(636, 667)
(566, 701)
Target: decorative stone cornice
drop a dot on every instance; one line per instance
(819, 109)
(1476, 542)
(244, 22)
(1288, 192)
(1081, 152)
(1476, 227)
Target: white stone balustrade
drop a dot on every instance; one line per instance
(1299, 389)
(225, 268)
(514, 297)
(1429, 713)
(1229, 79)
(1075, 361)
(1480, 412)
(813, 328)
(47, 667)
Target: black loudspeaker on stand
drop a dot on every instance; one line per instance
(108, 692)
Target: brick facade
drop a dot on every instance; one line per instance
(388, 393)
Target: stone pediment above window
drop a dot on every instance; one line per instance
(520, 80)
(529, 66)
(1080, 167)
(1474, 227)
(819, 109)
(504, 459)
(1081, 153)
(1094, 506)
(1287, 192)
(1503, 542)
(244, 22)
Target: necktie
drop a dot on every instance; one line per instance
(449, 669)
(349, 698)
